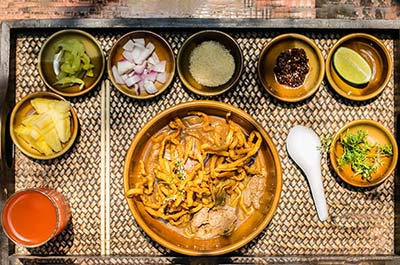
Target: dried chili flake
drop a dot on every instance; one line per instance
(291, 67)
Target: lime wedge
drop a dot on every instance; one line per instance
(351, 66)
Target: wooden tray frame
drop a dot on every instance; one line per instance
(7, 99)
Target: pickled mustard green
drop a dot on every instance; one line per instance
(74, 63)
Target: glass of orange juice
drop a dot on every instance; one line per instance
(32, 217)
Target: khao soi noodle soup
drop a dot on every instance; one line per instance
(201, 174)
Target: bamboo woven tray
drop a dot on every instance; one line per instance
(363, 224)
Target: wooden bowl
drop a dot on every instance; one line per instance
(377, 133)
(164, 233)
(376, 55)
(163, 51)
(268, 59)
(24, 109)
(47, 54)
(183, 61)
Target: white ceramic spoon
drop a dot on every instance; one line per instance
(303, 146)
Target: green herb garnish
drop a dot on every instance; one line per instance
(363, 156)
(179, 169)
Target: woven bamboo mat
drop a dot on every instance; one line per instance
(360, 222)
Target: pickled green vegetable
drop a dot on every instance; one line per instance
(74, 64)
(70, 81)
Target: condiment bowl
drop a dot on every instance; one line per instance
(47, 57)
(376, 55)
(183, 61)
(377, 133)
(164, 53)
(24, 109)
(170, 237)
(268, 60)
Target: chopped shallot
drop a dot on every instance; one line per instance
(150, 87)
(150, 46)
(117, 76)
(144, 55)
(129, 45)
(141, 86)
(129, 55)
(153, 60)
(161, 77)
(140, 67)
(160, 67)
(124, 77)
(154, 56)
(137, 53)
(124, 66)
(152, 76)
(130, 81)
(140, 41)
(136, 88)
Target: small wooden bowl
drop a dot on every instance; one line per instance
(163, 51)
(376, 133)
(168, 236)
(267, 61)
(24, 109)
(46, 58)
(183, 61)
(376, 55)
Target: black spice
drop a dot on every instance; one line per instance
(291, 67)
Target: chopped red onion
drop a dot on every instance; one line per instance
(124, 66)
(150, 87)
(117, 76)
(129, 46)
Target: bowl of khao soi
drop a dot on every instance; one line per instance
(71, 62)
(210, 62)
(202, 178)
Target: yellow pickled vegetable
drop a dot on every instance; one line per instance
(49, 127)
(44, 126)
(34, 138)
(59, 111)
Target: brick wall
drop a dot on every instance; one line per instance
(40, 9)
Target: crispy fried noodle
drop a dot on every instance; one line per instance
(199, 171)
